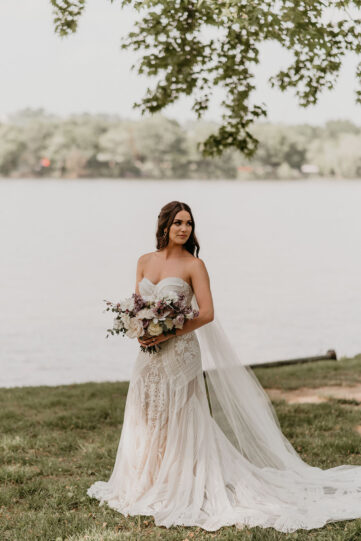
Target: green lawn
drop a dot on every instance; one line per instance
(315, 374)
(56, 441)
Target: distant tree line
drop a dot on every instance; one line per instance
(34, 143)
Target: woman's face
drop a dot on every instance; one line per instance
(181, 227)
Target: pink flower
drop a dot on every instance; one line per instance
(179, 321)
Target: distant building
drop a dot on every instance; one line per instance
(310, 169)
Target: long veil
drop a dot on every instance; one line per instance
(239, 404)
(243, 411)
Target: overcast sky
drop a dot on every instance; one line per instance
(88, 72)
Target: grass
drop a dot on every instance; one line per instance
(346, 371)
(56, 441)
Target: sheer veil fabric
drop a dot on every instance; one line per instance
(186, 465)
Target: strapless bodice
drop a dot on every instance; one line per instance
(170, 283)
(179, 359)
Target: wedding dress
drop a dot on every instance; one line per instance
(185, 464)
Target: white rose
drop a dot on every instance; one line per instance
(145, 313)
(171, 296)
(190, 315)
(154, 329)
(135, 329)
(127, 304)
(150, 298)
(126, 320)
(169, 323)
(117, 325)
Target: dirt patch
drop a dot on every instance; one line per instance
(358, 429)
(305, 395)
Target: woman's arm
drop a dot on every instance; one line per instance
(139, 273)
(202, 291)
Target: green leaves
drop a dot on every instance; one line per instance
(194, 46)
(66, 15)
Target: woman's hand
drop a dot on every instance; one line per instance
(153, 340)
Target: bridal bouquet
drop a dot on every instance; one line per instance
(138, 316)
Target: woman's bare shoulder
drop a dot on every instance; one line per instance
(145, 257)
(197, 268)
(197, 262)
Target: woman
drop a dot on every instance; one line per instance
(189, 462)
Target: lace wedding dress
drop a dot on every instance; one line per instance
(185, 464)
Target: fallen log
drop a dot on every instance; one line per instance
(330, 356)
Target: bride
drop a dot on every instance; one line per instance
(201, 444)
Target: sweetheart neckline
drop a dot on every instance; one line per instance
(166, 278)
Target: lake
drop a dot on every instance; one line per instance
(283, 257)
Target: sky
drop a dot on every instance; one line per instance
(88, 72)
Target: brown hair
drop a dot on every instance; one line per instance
(165, 220)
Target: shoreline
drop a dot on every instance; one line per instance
(276, 379)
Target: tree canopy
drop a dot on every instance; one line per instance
(194, 46)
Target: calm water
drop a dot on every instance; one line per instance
(284, 261)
